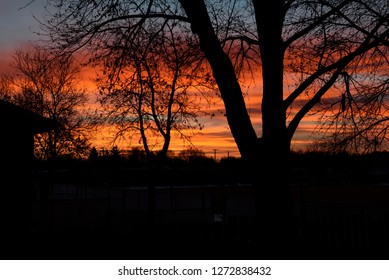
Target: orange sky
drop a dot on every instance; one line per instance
(17, 28)
(214, 139)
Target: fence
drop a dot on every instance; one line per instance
(321, 226)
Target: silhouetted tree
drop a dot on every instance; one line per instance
(115, 153)
(93, 155)
(47, 84)
(154, 85)
(191, 153)
(5, 87)
(137, 155)
(315, 44)
(195, 157)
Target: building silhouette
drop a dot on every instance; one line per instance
(17, 129)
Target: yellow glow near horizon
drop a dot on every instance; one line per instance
(215, 138)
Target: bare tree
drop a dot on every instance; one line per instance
(47, 84)
(6, 87)
(358, 121)
(313, 42)
(191, 154)
(155, 85)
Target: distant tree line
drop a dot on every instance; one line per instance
(138, 156)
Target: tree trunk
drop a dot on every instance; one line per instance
(165, 147)
(273, 197)
(268, 156)
(224, 74)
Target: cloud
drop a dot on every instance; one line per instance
(17, 26)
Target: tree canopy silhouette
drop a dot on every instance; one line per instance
(154, 86)
(47, 84)
(315, 44)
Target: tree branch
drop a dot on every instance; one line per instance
(365, 46)
(319, 21)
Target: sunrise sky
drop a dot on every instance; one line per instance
(17, 27)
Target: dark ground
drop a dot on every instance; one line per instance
(203, 210)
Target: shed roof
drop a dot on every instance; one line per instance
(17, 117)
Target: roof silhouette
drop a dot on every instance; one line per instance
(17, 117)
